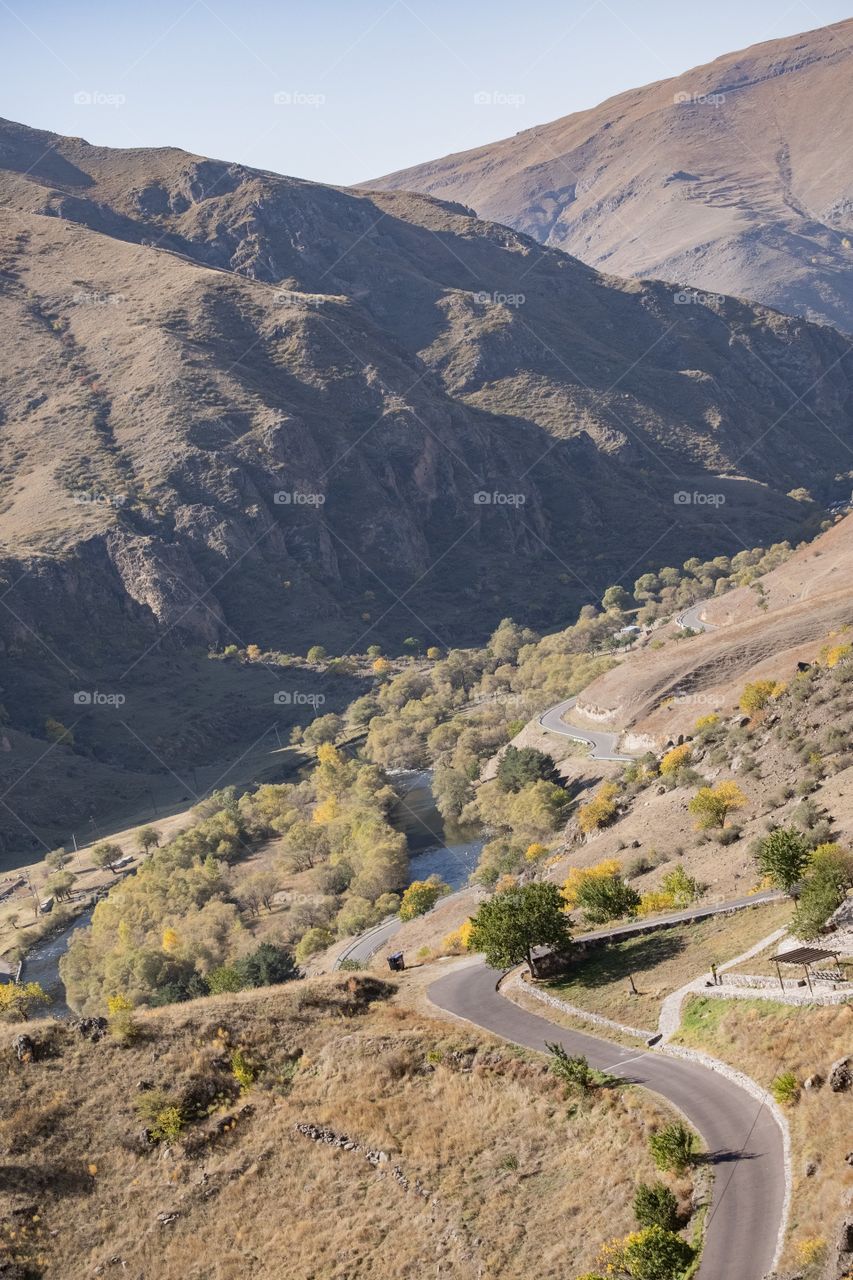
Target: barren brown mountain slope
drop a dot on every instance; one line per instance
(733, 177)
(659, 694)
(471, 1134)
(238, 407)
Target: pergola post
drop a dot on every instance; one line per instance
(808, 978)
(779, 973)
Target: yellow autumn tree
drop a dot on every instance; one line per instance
(600, 810)
(712, 805)
(579, 875)
(676, 759)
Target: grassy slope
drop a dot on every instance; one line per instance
(519, 1185)
(662, 962)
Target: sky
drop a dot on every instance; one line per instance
(340, 91)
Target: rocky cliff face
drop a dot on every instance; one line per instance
(243, 408)
(734, 178)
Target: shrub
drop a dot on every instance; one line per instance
(655, 901)
(650, 1254)
(162, 1117)
(122, 1026)
(756, 696)
(656, 1206)
(785, 1088)
(600, 892)
(676, 759)
(574, 1072)
(673, 1147)
(421, 896)
(600, 810)
(681, 887)
(243, 1069)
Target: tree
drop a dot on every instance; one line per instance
(521, 765)
(783, 857)
(381, 666)
(412, 643)
(828, 879)
(600, 810)
(616, 600)
(656, 1206)
(756, 696)
(225, 978)
(649, 1254)
(56, 859)
(421, 896)
(316, 653)
(18, 999)
(512, 923)
(60, 884)
(433, 653)
(712, 805)
(326, 728)
(106, 854)
(573, 1071)
(606, 897)
(268, 966)
(148, 838)
(676, 758)
(646, 587)
(673, 1147)
(55, 731)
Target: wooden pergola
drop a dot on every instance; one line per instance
(807, 957)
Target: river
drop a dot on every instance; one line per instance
(436, 847)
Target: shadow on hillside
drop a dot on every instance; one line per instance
(612, 963)
(57, 1179)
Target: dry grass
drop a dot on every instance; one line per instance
(764, 1039)
(520, 1182)
(660, 963)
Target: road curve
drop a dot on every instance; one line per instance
(742, 1137)
(689, 619)
(603, 745)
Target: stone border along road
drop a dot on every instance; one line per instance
(744, 1137)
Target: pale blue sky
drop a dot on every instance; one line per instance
(364, 86)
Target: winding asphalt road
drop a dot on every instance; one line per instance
(689, 620)
(743, 1140)
(603, 745)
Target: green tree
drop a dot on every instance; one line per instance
(55, 731)
(606, 897)
(656, 1254)
(225, 978)
(828, 879)
(316, 654)
(521, 765)
(616, 600)
(106, 854)
(673, 1147)
(656, 1206)
(268, 966)
(326, 728)
(783, 857)
(508, 927)
(148, 838)
(573, 1071)
(421, 896)
(412, 643)
(56, 859)
(18, 999)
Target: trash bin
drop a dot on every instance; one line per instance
(395, 962)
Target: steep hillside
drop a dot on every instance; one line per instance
(205, 1148)
(734, 177)
(658, 693)
(240, 408)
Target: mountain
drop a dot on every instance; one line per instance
(239, 408)
(734, 177)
